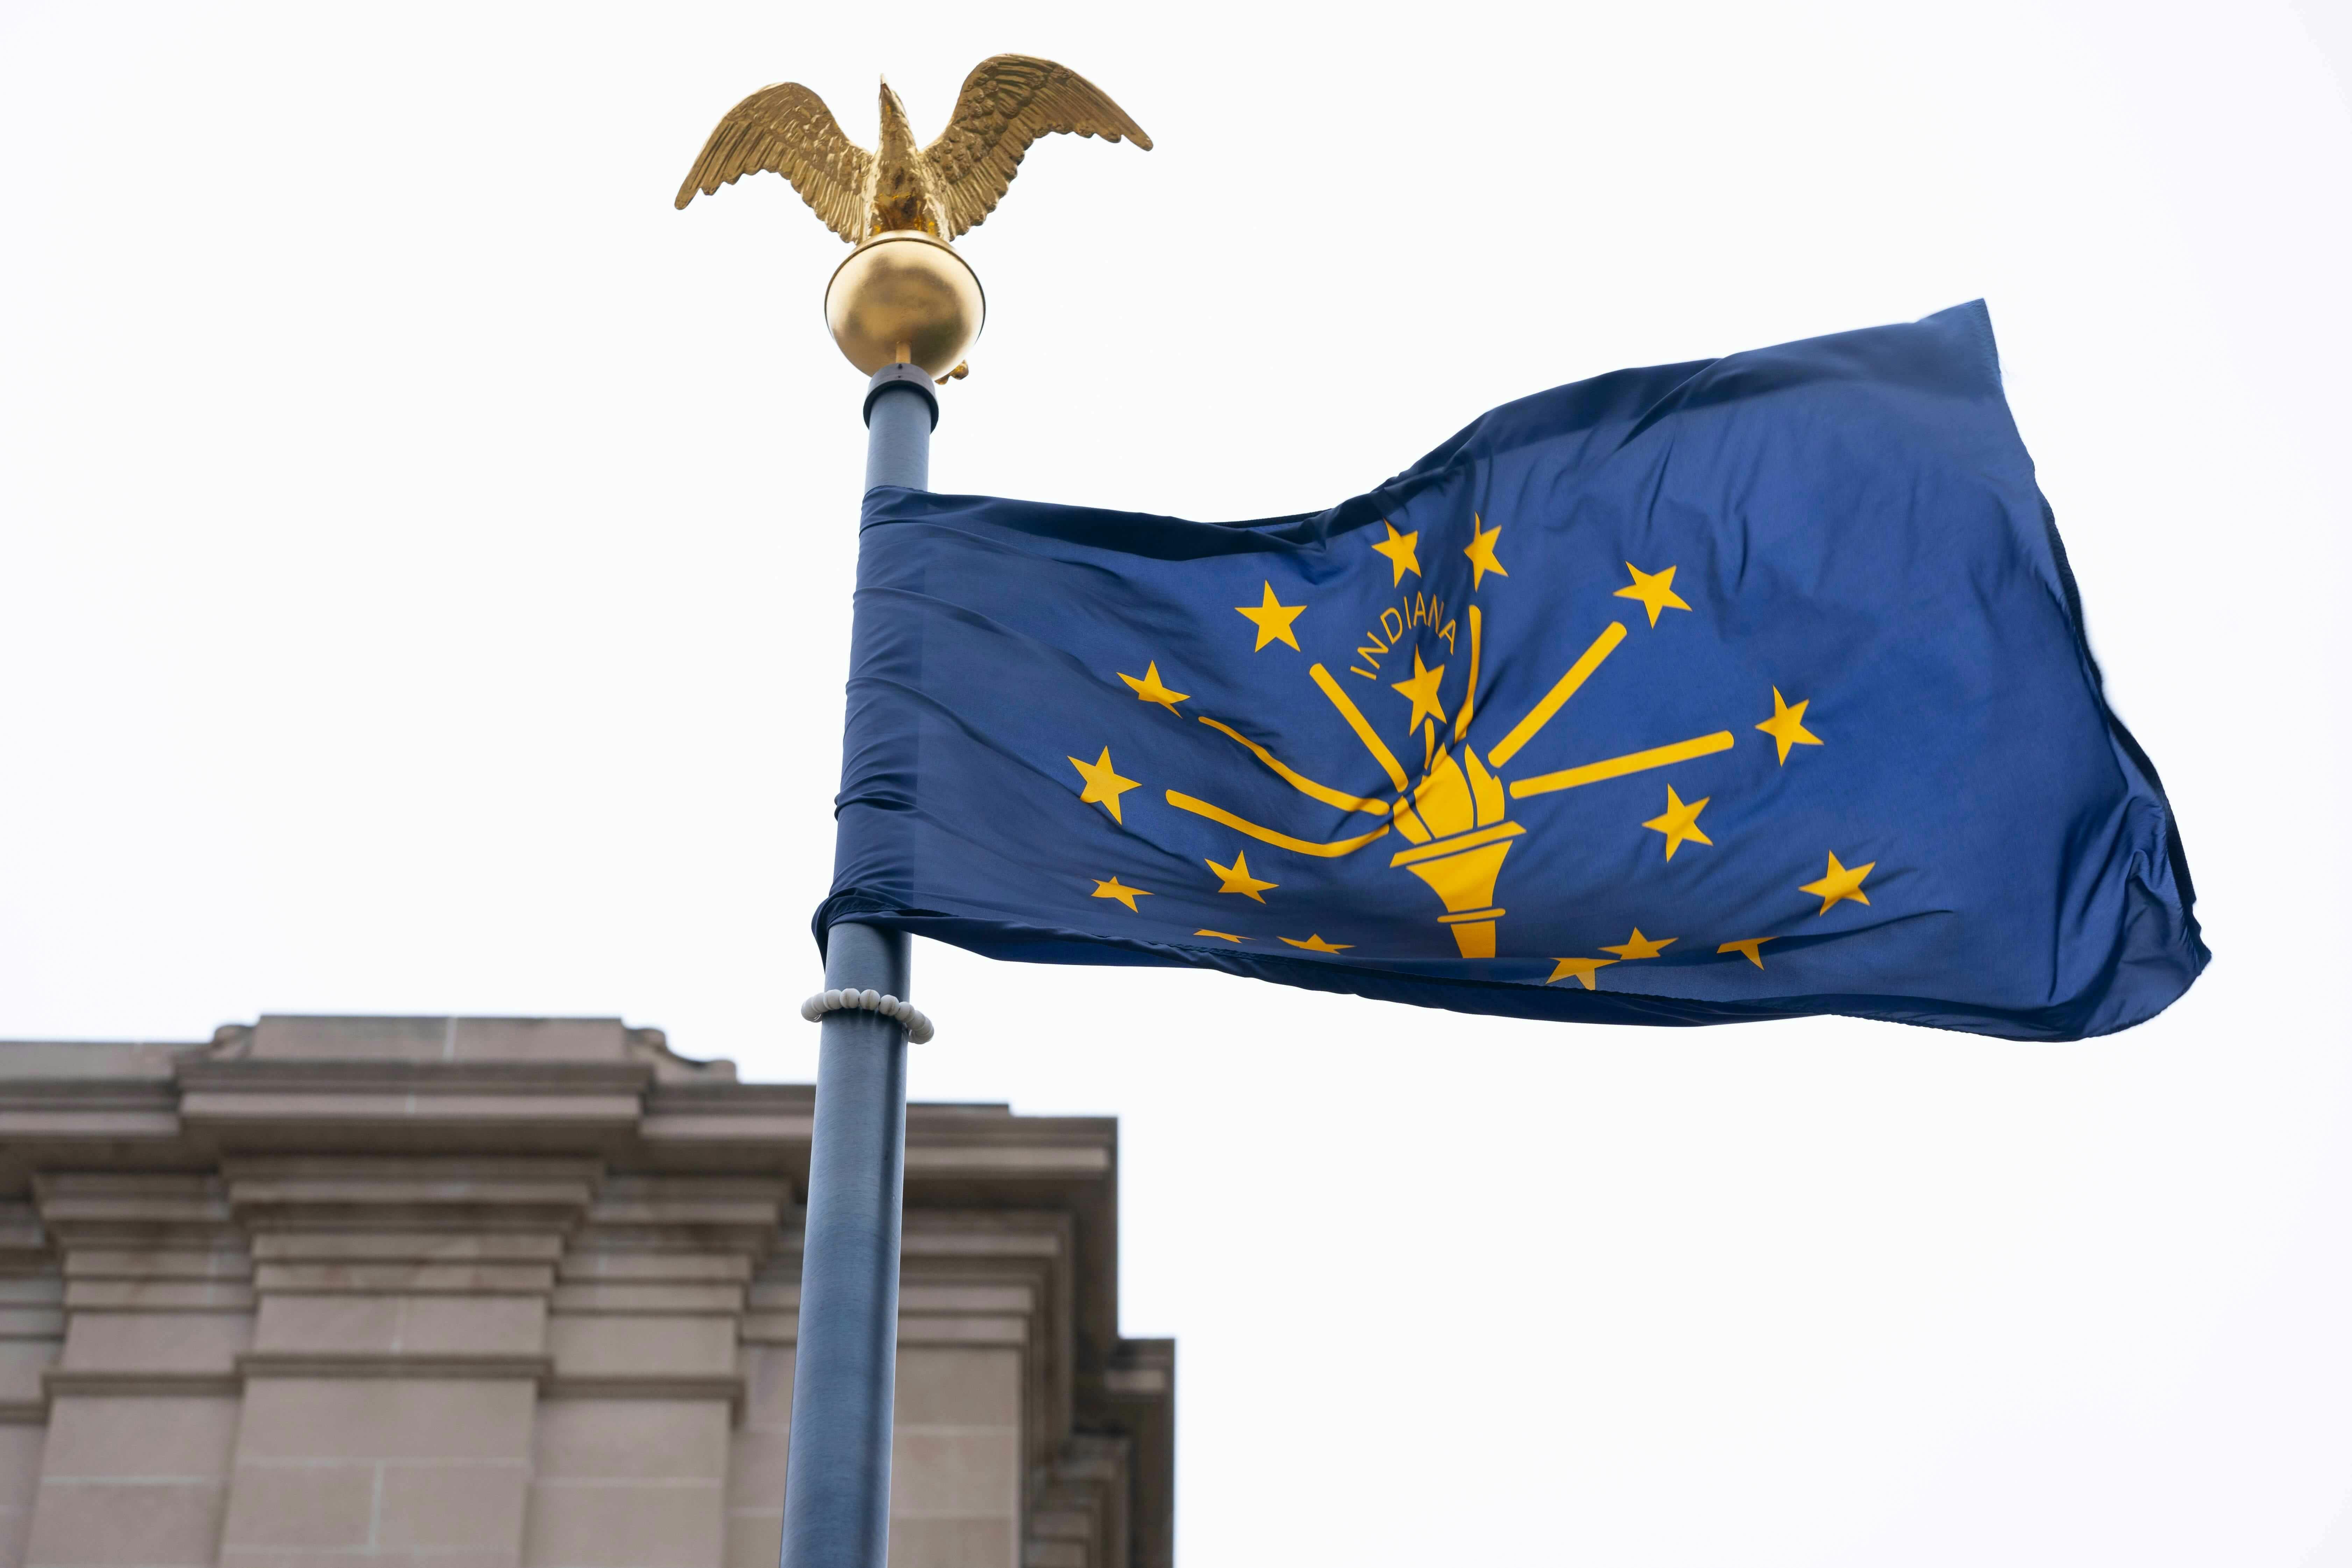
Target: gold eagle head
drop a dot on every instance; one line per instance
(943, 190)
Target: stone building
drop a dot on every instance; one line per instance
(520, 1293)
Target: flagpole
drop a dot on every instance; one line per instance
(844, 1371)
(904, 308)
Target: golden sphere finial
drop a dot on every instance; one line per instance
(904, 297)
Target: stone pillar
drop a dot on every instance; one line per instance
(158, 1305)
(977, 1307)
(631, 1446)
(32, 1326)
(398, 1347)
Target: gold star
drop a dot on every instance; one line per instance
(1103, 784)
(1316, 944)
(1272, 619)
(1787, 725)
(1125, 895)
(1150, 691)
(1640, 946)
(1399, 549)
(1422, 689)
(1481, 551)
(1655, 589)
(1839, 885)
(1238, 879)
(1582, 969)
(1680, 822)
(1748, 945)
(1221, 935)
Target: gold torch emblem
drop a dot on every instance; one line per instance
(1454, 820)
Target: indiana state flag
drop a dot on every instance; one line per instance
(1736, 690)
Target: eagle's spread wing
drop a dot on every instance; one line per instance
(787, 128)
(1007, 102)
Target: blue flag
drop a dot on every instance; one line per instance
(1744, 689)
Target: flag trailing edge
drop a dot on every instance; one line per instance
(1743, 688)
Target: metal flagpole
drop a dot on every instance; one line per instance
(904, 308)
(844, 1369)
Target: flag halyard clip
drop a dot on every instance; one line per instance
(917, 1021)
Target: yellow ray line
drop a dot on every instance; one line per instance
(1470, 693)
(1299, 781)
(1362, 726)
(1267, 835)
(1618, 767)
(1578, 674)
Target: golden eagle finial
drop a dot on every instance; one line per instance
(1008, 101)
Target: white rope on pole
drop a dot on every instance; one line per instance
(917, 1021)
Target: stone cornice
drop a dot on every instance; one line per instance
(393, 1364)
(267, 1100)
(88, 1382)
(135, 1215)
(102, 1381)
(575, 1168)
(673, 1386)
(622, 1112)
(70, 1110)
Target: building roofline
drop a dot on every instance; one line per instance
(291, 1087)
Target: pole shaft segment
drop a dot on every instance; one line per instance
(901, 412)
(845, 1369)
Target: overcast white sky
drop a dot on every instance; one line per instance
(424, 581)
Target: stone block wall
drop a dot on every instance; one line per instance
(440, 1307)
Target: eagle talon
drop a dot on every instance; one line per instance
(962, 369)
